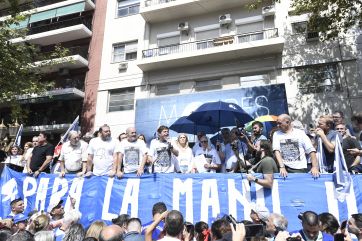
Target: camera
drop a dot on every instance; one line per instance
(251, 230)
(234, 145)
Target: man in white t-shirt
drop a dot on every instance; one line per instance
(163, 154)
(73, 156)
(132, 153)
(102, 155)
(290, 147)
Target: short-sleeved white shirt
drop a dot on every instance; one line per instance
(102, 152)
(133, 153)
(211, 153)
(73, 156)
(293, 147)
(164, 161)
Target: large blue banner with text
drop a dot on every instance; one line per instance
(256, 101)
(197, 196)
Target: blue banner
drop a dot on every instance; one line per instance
(197, 196)
(256, 101)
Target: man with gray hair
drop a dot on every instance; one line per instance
(275, 224)
(290, 146)
(73, 156)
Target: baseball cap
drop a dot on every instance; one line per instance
(20, 218)
(262, 211)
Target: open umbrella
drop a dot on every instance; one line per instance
(219, 114)
(269, 121)
(183, 125)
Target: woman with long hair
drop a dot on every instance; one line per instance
(14, 159)
(28, 149)
(95, 229)
(185, 155)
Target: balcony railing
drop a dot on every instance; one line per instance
(61, 24)
(210, 43)
(76, 50)
(148, 3)
(30, 5)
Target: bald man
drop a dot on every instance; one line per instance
(290, 147)
(132, 153)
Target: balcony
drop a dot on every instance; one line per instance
(52, 95)
(213, 50)
(76, 59)
(41, 5)
(62, 31)
(163, 10)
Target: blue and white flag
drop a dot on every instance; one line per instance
(17, 141)
(323, 167)
(73, 127)
(341, 177)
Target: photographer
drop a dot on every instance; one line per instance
(276, 224)
(239, 150)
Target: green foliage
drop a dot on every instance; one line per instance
(331, 17)
(18, 74)
(328, 17)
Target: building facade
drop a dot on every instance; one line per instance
(50, 23)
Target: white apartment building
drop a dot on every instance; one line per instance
(163, 58)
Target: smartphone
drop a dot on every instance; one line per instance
(254, 230)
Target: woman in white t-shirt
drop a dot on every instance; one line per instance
(28, 149)
(211, 161)
(185, 155)
(14, 159)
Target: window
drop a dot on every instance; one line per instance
(208, 85)
(166, 89)
(169, 45)
(318, 79)
(124, 51)
(121, 99)
(126, 8)
(299, 27)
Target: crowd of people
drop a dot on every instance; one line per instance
(261, 225)
(290, 147)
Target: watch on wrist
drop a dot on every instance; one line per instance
(256, 180)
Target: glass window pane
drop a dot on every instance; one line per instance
(122, 12)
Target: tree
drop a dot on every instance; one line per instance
(18, 74)
(328, 17)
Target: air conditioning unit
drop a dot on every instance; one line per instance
(183, 27)
(225, 20)
(63, 72)
(268, 10)
(123, 66)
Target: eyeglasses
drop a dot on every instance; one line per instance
(203, 141)
(184, 137)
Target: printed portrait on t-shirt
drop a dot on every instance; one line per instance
(289, 149)
(163, 157)
(131, 156)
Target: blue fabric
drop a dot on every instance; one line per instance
(156, 232)
(197, 196)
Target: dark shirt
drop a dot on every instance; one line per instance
(349, 143)
(133, 236)
(39, 155)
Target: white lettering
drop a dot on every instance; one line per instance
(246, 192)
(351, 202)
(332, 202)
(209, 197)
(130, 197)
(57, 195)
(165, 117)
(75, 191)
(41, 194)
(107, 197)
(261, 99)
(276, 197)
(183, 188)
(29, 181)
(10, 190)
(235, 196)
